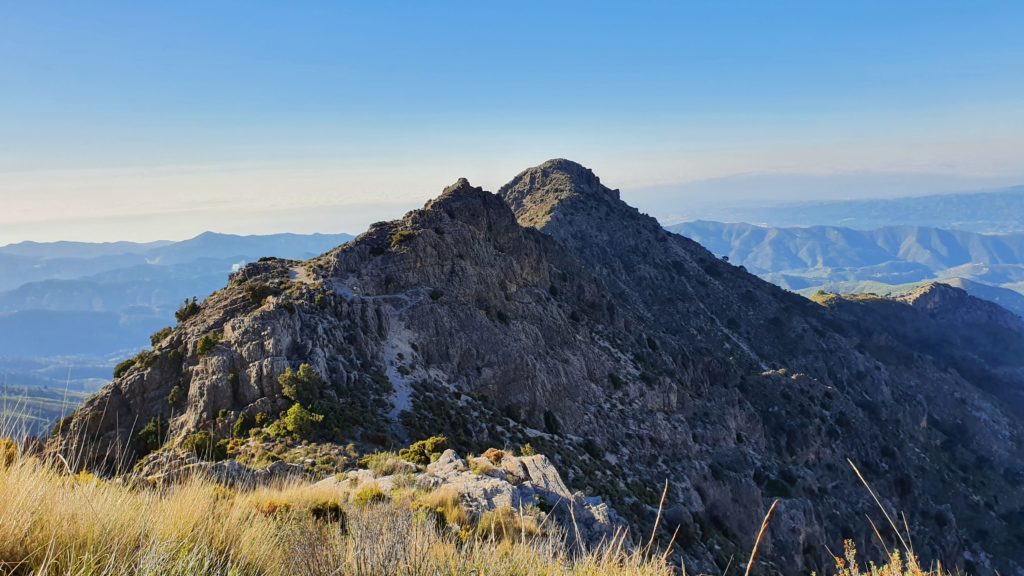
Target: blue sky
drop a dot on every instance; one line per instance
(144, 120)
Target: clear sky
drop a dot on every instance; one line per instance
(144, 120)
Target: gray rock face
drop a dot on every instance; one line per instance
(556, 315)
(525, 484)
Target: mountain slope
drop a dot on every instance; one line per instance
(555, 314)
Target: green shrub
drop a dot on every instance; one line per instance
(298, 421)
(176, 397)
(302, 386)
(401, 237)
(383, 463)
(204, 445)
(160, 335)
(527, 450)
(207, 343)
(187, 310)
(420, 452)
(436, 294)
(242, 426)
(122, 368)
(151, 437)
(257, 292)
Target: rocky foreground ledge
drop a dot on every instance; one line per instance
(497, 482)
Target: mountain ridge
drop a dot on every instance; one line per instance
(554, 314)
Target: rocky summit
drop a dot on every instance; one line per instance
(554, 315)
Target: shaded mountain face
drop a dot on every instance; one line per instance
(553, 313)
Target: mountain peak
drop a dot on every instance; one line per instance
(537, 194)
(461, 185)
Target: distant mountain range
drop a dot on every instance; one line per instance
(998, 211)
(886, 260)
(80, 304)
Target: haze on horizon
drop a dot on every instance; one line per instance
(124, 121)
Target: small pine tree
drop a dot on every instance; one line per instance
(188, 309)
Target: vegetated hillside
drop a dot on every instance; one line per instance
(883, 260)
(989, 212)
(556, 315)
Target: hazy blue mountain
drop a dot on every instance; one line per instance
(214, 245)
(65, 249)
(998, 211)
(884, 260)
(79, 307)
(27, 262)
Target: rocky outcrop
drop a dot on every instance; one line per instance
(554, 314)
(528, 485)
(173, 466)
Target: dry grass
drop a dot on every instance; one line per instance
(446, 503)
(56, 523)
(52, 523)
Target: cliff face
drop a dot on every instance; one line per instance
(553, 313)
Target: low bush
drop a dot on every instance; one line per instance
(422, 451)
(257, 293)
(296, 421)
(205, 446)
(401, 237)
(368, 494)
(207, 343)
(151, 437)
(160, 335)
(176, 397)
(383, 463)
(122, 368)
